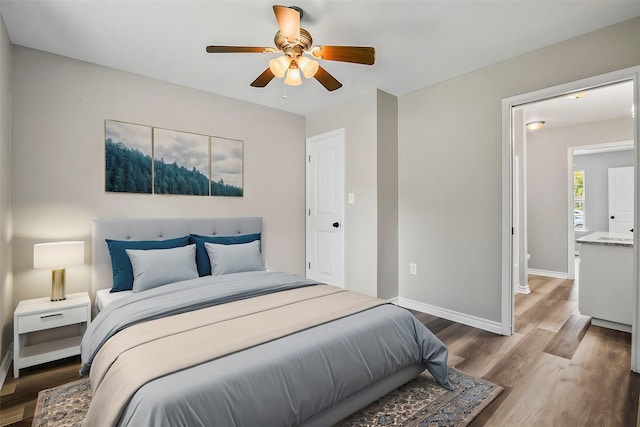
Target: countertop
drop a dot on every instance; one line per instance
(608, 239)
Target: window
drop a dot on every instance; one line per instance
(578, 200)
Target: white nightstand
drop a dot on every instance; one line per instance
(40, 314)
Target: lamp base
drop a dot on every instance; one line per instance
(57, 285)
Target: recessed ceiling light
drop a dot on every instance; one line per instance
(535, 125)
(576, 95)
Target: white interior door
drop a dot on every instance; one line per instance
(325, 208)
(621, 199)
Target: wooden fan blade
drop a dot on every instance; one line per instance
(327, 80)
(355, 54)
(236, 49)
(263, 79)
(288, 21)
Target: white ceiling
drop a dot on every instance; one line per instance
(602, 103)
(418, 43)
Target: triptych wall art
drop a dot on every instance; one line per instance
(150, 160)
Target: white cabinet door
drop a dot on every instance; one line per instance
(621, 199)
(325, 208)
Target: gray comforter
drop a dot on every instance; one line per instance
(280, 383)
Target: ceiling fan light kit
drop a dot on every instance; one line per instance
(294, 42)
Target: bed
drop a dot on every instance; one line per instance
(244, 348)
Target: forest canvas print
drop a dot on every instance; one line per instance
(180, 163)
(128, 154)
(226, 167)
(146, 159)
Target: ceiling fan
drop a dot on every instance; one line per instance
(298, 54)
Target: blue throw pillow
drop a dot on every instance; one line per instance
(121, 265)
(202, 257)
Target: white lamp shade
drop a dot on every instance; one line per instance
(309, 67)
(58, 254)
(279, 66)
(293, 77)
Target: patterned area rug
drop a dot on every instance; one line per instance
(419, 403)
(423, 403)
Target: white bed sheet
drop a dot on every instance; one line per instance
(104, 298)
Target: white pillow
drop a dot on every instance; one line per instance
(234, 258)
(157, 267)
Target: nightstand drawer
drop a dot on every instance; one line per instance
(51, 319)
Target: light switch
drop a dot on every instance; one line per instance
(352, 198)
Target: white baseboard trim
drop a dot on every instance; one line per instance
(465, 319)
(524, 289)
(6, 364)
(547, 273)
(611, 325)
(393, 301)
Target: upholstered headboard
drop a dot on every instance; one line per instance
(156, 229)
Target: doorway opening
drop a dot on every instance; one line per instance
(512, 216)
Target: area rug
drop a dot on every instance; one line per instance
(419, 403)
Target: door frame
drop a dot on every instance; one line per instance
(507, 299)
(571, 235)
(343, 223)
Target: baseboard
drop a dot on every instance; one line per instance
(393, 301)
(611, 325)
(6, 365)
(547, 273)
(465, 319)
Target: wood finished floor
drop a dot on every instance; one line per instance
(556, 369)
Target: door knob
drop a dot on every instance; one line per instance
(336, 224)
(612, 217)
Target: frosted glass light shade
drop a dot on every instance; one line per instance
(58, 254)
(293, 77)
(535, 125)
(279, 66)
(309, 67)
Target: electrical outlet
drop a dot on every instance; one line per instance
(413, 269)
(528, 256)
(352, 198)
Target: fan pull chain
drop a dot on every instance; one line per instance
(284, 89)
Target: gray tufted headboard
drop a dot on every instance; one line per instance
(156, 229)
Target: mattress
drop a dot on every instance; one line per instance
(104, 297)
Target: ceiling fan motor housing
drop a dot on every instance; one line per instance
(293, 49)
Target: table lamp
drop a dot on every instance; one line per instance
(57, 256)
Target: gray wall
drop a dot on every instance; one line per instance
(596, 169)
(59, 108)
(358, 117)
(547, 185)
(6, 282)
(387, 195)
(371, 162)
(449, 172)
